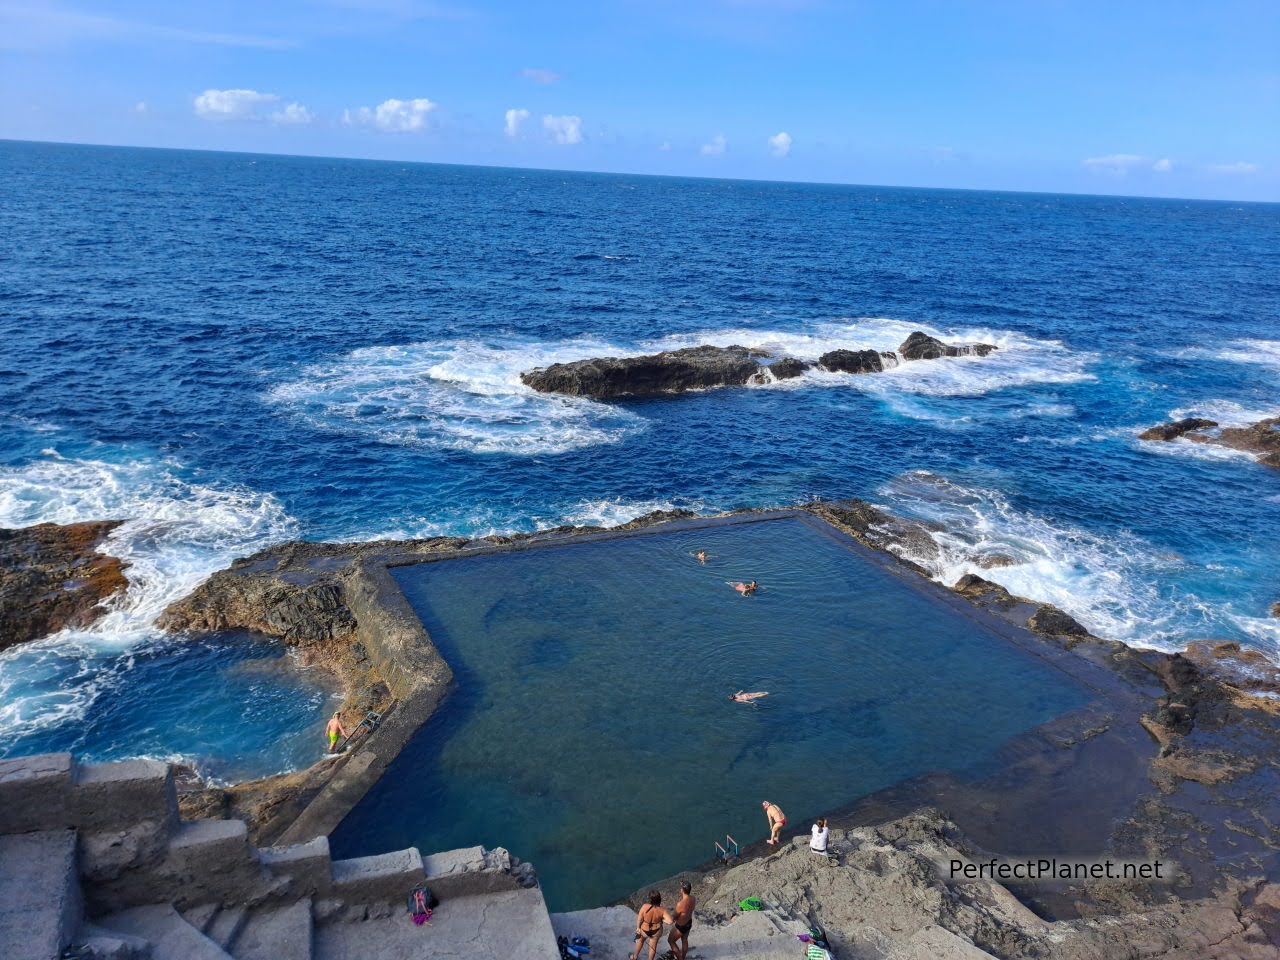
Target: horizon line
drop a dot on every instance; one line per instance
(614, 173)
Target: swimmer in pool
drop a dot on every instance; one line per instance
(743, 697)
(334, 730)
(747, 589)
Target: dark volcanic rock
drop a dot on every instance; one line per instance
(788, 368)
(1172, 431)
(921, 346)
(52, 577)
(1052, 622)
(694, 368)
(852, 361)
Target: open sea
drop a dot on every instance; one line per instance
(228, 351)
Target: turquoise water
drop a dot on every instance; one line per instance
(233, 706)
(591, 730)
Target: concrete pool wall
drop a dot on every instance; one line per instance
(403, 652)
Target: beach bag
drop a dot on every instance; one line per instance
(751, 903)
(421, 902)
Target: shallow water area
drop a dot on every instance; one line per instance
(591, 729)
(234, 707)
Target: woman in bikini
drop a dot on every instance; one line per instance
(649, 921)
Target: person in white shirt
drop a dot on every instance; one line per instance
(818, 842)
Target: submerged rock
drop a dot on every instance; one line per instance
(1174, 430)
(921, 346)
(672, 371)
(853, 361)
(53, 577)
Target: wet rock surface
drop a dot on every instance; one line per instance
(706, 367)
(853, 361)
(673, 371)
(1262, 439)
(1176, 429)
(921, 346)
(53, 577)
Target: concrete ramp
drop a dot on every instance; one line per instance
(512, 924)
(171, 937)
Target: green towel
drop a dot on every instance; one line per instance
(751, 903)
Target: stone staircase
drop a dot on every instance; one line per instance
(96, 864)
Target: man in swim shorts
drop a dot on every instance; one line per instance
(746, 589)
(334, 730)
(682, 922)
(777, 820)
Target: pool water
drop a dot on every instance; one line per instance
(591, 730)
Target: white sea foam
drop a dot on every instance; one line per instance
(467, 394)
(175, 533)
(1261, 352)
(1227, 413)
(459, 394)
(1111, 584)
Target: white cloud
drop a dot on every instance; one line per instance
(1238, 167)
(538, 75)
(232, 104)
(515, 117)
(716, 147)
(392, 116)
(140, 107)
(295, 114)
(780, 144)
(1120, 164)
(566, 130)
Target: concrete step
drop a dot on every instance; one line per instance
(200, 916)
(276, 933)
(171, 937)
(512, 925)
(936, 943)
(40, 905)
(754, 935)
(226, 926)
(102, 944)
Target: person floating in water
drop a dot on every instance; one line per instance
(777, 820)
(747, 589)
(334, 730)
(702, 556)
(743, 697)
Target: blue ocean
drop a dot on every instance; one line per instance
(228, 351)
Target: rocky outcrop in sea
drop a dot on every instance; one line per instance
(705, 367)
(1262, 438)
(52, 576)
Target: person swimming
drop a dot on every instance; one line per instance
(746, 589)
(701, 555)
(743, 697)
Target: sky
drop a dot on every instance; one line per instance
(1174, 98)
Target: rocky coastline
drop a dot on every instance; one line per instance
(706, 367)
(1180, 763)
(53, 576)
(1262, 439)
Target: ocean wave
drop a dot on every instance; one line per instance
(175, 533)
(1227, 413)
(467, 394)
(1116, 585)
(460, 394)
(1251, 351)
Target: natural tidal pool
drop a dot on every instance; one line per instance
(591, 729)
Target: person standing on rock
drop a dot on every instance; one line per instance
(334, 730)
(777, 820)
(678, 939)
(649, 922)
